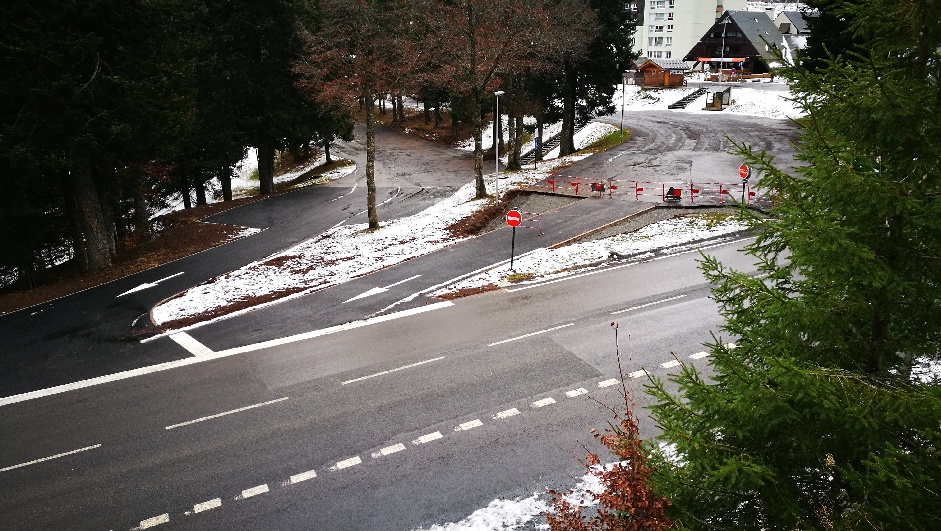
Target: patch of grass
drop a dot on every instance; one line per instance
(715, 218)
(253, 176)
(519, 277)
(608, 141)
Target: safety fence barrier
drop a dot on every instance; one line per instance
(667, 192)
(533, 217)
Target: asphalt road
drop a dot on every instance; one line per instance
(283, 434)
(355, 416)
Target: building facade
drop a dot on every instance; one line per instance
(668, 29)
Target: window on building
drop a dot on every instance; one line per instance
(656, 55)
(670, 16)
(659, 16)
(669, 41)
(670, 27)
(651, 28)
(658, 4)
(658, 41)
(671, 3)
(667, 55)
(658, 29)
(649, 41)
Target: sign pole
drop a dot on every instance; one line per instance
(744, 172)
(512, 248)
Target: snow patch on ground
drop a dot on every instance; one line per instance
(546, 264)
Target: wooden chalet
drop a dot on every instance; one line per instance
(740, 42)
(660, 72)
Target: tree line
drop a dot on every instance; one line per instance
(109, 109)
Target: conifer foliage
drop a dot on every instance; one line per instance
(815, 419)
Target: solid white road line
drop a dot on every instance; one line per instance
(151, 522)
(469, 425)
(147, 285)
(428, 438)
(191, 344)
(303, 476)
(698, 355)
(207, 505)
(347, 463)
(63, 454)
(391, 371)
(216, 355)
(530, 335)
(648, 304)
(669, 364)
(506, 414)
(544, 402)
(576, 392)
(631, 264)
(254, 491)
(388, 450)
(217, 415)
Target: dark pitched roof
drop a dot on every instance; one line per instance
(797, 21)
(756, 26)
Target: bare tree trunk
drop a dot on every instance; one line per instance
(326, 151)
(200, 192)
(567, 136)
(265, 163)
(371, 165)
(93, 228)
(427, 114)
(401, 106)
(480, 185)
(184, 184)
(225, 179)
(539, 125)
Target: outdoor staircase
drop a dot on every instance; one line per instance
(689, 98)
(547, 146)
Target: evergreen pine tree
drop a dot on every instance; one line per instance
(814, 420)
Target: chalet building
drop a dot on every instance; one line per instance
(667, 29)
(792, 23)
(657, 73)
(739, 40)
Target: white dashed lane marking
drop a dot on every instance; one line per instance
(217, 415)
(428, 438)
(347, 463)
(254, 491)
(63, 454)
(155, 521)
(207, 505)
(303, 476)
(506, 414)
(637, 374)
(576, 392)
(390, 371)
(530, 335)
(609, 382)
(671, 363)
(698, 355)
(388, 450)
(648, 304)
(544, 402)
(469, 425)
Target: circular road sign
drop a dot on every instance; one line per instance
(744, 171)
(514, 218)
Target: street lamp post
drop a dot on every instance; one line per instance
(496, 144)
(623, 82)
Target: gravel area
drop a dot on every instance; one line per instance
(536, 202)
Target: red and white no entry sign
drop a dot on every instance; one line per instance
(514, 218)
(744, 171)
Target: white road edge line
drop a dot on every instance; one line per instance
(63, 454)
(631, 264)
(191, 344)
(383, 373)
(82, 384)
(530, 335)
(224, 413)
(648, 304)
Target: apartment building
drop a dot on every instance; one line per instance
(668, 29)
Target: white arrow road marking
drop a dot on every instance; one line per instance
(148, 285)
(376, 291)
